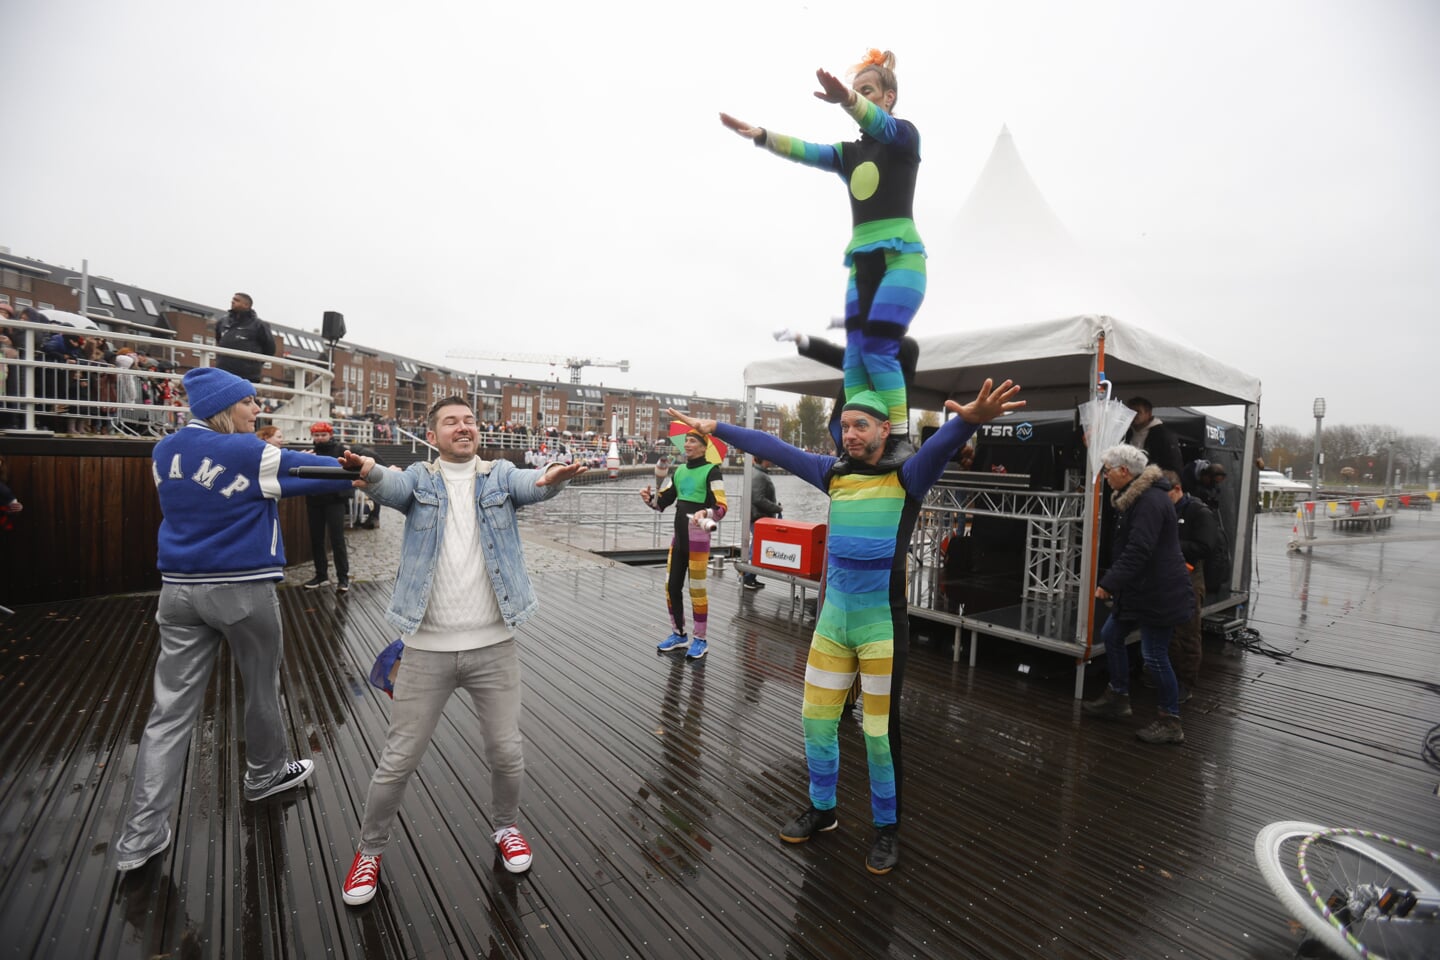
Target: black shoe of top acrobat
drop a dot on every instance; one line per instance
(885, 851)
(809, 823)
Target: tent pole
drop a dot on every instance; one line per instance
(1085, 609)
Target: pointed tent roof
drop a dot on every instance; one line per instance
(1012, 294)
(1007, 258)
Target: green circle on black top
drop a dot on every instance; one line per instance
(865, 181)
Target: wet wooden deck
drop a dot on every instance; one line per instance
(654, 787)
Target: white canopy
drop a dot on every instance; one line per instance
(1050, 359)
(999, 277)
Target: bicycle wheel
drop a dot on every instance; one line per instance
(1367, 882)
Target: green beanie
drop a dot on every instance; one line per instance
(868, 401)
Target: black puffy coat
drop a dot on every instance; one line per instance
(1147, 574)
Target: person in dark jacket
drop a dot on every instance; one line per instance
(763, 506)
(1149, 433)
(1149, 587)
(242, 329)
(1200, 545)
(327, 515)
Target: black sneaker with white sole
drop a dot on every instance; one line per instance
(315, 583)
(809, 823)
(296, 773)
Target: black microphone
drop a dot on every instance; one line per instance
(325, 473)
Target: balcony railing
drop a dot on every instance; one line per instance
(49, 393)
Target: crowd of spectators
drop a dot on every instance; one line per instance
(84, 380)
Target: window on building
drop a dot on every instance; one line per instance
(103, 296)
(16, 280)
(46, 306)
(125, 300)
(22, 302)
(149, 306)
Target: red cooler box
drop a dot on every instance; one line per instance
(789, 546)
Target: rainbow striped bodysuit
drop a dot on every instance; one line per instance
(862, 625)
(885, 255)
(695, 485)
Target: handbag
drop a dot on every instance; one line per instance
(382, 673)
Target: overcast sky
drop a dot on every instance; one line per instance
(551, 178)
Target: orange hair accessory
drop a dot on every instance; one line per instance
(872, 59)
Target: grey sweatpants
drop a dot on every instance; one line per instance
(193, 618)
(423, 684)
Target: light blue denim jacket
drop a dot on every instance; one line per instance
(419, 493)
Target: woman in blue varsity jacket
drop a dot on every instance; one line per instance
(220, 555)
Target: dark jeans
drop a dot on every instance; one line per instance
(1154, 647)
(329, 517)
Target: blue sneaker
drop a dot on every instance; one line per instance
(675, 641)
(698, 646)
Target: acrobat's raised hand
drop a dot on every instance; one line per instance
(989, 403)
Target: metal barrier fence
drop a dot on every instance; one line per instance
(604, 519)
(54, 384)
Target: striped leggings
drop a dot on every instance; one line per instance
(855, 634)
(697, 555)
(885, 291)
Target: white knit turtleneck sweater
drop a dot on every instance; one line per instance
(462, 612)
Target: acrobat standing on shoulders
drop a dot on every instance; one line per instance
(885, 254)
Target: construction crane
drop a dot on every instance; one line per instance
(576, 364)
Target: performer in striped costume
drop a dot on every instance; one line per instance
(698, 492)
(862, 626)
(885, 254)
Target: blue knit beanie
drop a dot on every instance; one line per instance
(211, 390)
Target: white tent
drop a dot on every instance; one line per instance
(1007, 258)
(1012, 294)
(1050, 359)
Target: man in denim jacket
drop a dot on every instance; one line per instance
(460, 593)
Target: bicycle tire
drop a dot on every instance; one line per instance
(1277, 848)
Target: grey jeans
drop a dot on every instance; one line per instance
(424, 683)
(193, 618)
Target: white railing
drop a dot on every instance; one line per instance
(48, 393)
(602, 519)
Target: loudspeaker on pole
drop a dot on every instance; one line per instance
(333, 327)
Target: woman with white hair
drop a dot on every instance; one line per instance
(1149, 587)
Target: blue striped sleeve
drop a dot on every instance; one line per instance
(821, 155)
(883, 127)
(919, 473)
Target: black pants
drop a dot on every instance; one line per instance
(900, 617)
(331, 517)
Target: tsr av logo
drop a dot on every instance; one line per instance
(1215, 434)
(1021, 432)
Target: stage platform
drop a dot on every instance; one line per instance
(655, 786)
